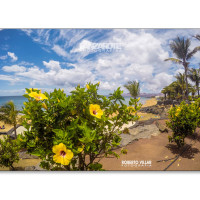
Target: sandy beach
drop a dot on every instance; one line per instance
(144, 116)
(150, 102)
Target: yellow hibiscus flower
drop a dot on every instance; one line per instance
(95, 111)
(63, 155)
(87, 86)
(131, 109)
(178, 111)
(37, 96)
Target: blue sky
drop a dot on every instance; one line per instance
(63, 58)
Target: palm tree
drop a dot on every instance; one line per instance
(8, 114)
(194, 76)
(192, 90)
(180, 47)
(134, 88)
(180, 79)
(164, 91)
(169, 91)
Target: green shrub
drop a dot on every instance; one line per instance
(183, 121)
(8, 152)
(72, 132)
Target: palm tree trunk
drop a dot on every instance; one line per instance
(15, 130)
(197, 86)
(186, 81)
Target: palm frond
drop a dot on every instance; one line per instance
(195, 50)
(180, 47)
(174, 60)
(197, 37)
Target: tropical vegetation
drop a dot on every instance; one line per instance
(9, 114)
(180, 47)
(134, 88)
(183, 121)
(75, 132)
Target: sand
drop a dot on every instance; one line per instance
(153, 150)
(150, 102)
(7, 127)
(146, 116)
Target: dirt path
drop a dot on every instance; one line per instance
(153, 150)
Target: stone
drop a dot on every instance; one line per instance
(25, 155)
(161, 126)
(30, 168)
(126, 139)
(38, 168)
(34, 168)
(139, 132)
(145, 131)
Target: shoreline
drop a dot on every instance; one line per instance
(144, 116)
(150, 102)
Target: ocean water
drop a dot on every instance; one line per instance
(19, 100)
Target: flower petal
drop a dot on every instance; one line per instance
(69, 154)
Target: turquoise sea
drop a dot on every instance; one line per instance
(18, 100)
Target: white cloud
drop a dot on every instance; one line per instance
(159, 81)
(11, 79)
(3, 57)
(141, 58)
(59, 50)
(24, 63)
(52, 65)
(27, 31)
(14, 68)
(181, 70)
(13, 56)
(85, 45)
(56, 76)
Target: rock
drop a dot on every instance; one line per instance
(38, 168)
(161, 126)
(153, 109)
(143, 123)
(34, 168)
(139, 131)
(30, 168)
(18, 169)
(145, 131)
(25, 155)
(126, 139)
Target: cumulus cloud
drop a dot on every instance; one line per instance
(141, 57)
(84, 45)
(14, 68)
(13, 56)
(159, 81)
(52, 65)
(56, 76)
